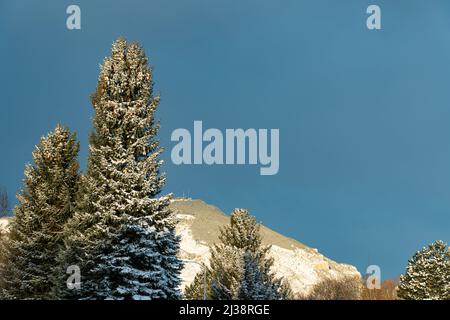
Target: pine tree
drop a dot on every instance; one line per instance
(240, 266)
(46, 202)
(123, 233)
(200, 284)
(427, 275)
(253, 284)
(3, 238)
(226, 269)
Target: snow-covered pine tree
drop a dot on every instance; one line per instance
(3, 238)
(237, 262)
(427, 275)
(46, 202)
(122, 235)
(227, 269)
(253, 284)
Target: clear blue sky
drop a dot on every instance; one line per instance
(363, 115)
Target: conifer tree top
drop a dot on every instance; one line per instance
(427, 274)
(243, 231)
(122, 235)
(125, 76)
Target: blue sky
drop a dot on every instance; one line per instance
(363, 115)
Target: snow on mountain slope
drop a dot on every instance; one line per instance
(199, 225)
(3, 223)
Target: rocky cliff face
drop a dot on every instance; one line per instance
(199, 225)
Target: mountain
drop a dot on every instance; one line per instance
(301, 265)
(199, 223)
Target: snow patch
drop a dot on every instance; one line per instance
(3, 223)
(192, 253)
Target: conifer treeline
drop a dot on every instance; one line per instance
(110, 222)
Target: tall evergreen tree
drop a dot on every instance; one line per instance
(240, 266)
(46, 202)
(427, 275)
(123, 233)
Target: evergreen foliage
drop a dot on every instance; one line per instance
(427, 275)
(240, 265)
(46, 202)
(122, 235)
